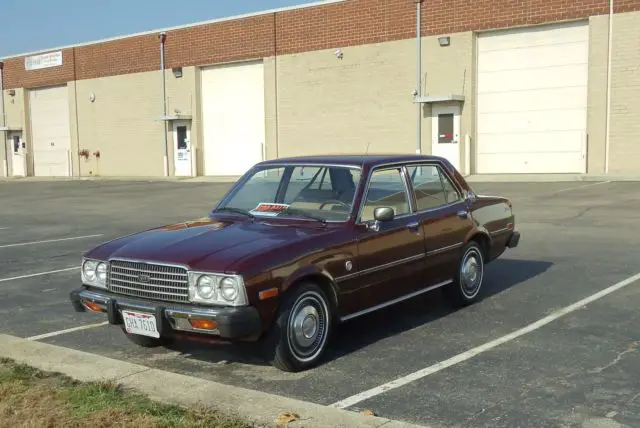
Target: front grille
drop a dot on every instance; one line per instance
(148, 281)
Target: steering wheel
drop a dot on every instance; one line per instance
(333, 202)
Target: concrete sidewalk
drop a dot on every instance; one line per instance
(256, 407)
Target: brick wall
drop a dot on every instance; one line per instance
(352, 22)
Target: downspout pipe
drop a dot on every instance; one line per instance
(418, 76)
(608, 125)
(3, 123)
(163, 38)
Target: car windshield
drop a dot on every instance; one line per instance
(319, 192)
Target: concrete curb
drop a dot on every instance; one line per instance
(257, 407)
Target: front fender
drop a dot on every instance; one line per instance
(316, 273)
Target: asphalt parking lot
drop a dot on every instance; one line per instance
(582, 369)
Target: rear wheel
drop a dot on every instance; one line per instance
(299, 336)
(467, 283)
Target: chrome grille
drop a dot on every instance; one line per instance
(148, 281)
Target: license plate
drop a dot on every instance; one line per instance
(140, 323)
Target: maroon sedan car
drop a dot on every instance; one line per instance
(296, 246)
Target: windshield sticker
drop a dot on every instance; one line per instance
(269, 209)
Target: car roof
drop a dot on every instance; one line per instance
(364, 160)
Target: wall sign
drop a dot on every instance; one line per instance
(46, 60)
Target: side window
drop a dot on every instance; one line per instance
(432, 187)
(386, 189)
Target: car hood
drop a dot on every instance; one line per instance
(206, 244)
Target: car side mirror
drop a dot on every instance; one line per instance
(470, 197)
(384, 214)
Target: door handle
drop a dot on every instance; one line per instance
(414, 225)
(463, 213)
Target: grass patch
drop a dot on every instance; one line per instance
(30, 397)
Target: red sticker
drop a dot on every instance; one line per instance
(269, 209)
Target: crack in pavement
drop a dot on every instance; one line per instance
(633, 347)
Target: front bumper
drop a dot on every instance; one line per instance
(231, 322)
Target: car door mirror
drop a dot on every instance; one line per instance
(383, 214)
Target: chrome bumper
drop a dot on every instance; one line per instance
(231, 322)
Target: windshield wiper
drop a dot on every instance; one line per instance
(302, 213)
(234, 210)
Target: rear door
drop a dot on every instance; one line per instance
(444, 219)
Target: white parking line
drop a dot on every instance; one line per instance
(50, 240)
(68, 330)
(39, 274)
(350, 401)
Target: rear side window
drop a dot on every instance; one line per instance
(432, 187)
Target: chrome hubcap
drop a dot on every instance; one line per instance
(471, 273)
(308, 326)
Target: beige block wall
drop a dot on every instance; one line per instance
(325, 104)
(182, 99)
(625, 95)
(123, 122)
(271, 107)
(73, 123)
(597, 94)
(14, 109)
(450, 70)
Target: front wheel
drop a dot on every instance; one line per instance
(299, 336)
(467, 283)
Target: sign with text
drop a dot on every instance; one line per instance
(46, 60)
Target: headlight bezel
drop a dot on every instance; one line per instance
(89, 272)
(217, 297)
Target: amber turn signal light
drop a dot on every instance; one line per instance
(267, 294)
(204, 324)
(93, 307)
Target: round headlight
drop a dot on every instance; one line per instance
(205, 286)
(89, 269)
(229, 289)
(101, 271)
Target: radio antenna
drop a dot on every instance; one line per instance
(366, 152)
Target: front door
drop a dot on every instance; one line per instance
(391, 259)
(445, 129)
(444, 219)
(182, 149)
(18, 155)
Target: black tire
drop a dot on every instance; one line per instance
(147, 342)
(467, 283)
(310, 305)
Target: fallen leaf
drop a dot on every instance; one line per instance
(286, 418)
(367, 413)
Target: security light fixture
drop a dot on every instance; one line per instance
(444, 41)
(177, 72)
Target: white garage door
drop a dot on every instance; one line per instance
(50, 131)
(233, 117)
(532, 100)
